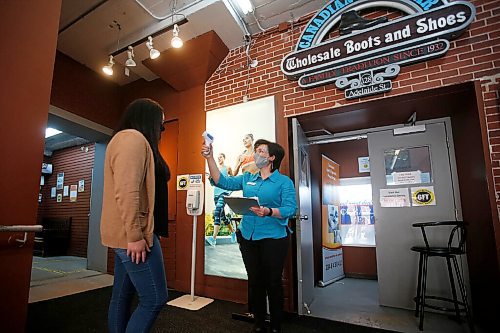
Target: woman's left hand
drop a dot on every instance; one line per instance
(260, 211)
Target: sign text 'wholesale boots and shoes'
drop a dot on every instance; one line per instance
(368, 52)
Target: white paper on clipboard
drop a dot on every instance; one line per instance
(241, 205)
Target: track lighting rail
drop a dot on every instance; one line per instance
(145, 39)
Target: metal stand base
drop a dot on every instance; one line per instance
(186, 302)
(326, 283)
(248, 317)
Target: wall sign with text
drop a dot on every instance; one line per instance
(363, 62)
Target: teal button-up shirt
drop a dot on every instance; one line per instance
(276, 191)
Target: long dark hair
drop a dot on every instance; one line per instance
(146, 116)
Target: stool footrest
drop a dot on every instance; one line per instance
(440, 308)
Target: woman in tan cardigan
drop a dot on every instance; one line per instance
(134, 216)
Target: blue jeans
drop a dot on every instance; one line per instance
(148, 280)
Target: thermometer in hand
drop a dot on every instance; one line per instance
(208, 140)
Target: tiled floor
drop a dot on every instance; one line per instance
(54, 277)
(355, 301)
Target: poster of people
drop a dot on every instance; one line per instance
(331, 236)
(357, 223)
(235, 130)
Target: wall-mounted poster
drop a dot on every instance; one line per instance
(60, 181)
(235, 129)
(81, 185)
(73, 193)
(59, 197)
(52, 192)
(331, 238)
(65, 191)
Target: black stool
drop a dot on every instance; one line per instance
(450, 252)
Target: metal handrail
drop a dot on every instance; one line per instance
(21, 228)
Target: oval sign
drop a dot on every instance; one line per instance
(423, 197)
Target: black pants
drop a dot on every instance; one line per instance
(264, 260)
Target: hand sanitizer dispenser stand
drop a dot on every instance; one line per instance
(194, 207)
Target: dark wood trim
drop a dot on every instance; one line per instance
(488, 166)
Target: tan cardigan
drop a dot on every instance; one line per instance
(129, 190)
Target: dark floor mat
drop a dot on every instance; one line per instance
(87, 312)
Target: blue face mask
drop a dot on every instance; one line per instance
(260, 161)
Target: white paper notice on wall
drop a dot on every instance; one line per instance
(394, 197)
(60, 180)
(364, 164)
(73, 194)
(409, 177)
(423, 196)
(66, 190)
(81, 185)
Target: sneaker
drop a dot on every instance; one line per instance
(210, 240)
(233, 237)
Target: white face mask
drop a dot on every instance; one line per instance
(260, 161)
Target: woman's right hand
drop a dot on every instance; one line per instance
(137, 251)
(206, 151)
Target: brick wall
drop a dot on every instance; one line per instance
(473, 56)
(76, 164)
(490, 87)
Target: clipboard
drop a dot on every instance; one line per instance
(241, 205)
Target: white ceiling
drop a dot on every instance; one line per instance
(88, 32)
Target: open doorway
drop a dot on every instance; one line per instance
(381, 271)
(68, 256)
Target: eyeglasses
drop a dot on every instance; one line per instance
(261, 151)
(162, 127)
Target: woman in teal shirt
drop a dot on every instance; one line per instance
(264, 230)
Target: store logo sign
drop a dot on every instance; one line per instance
(363, 62)
(324, 20)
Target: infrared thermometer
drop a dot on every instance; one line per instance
(208, 138)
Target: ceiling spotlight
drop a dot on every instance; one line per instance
(153, 53)
(130, 55)
(176, 40)
(246, 6)
(108, 69)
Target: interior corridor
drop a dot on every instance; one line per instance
(54, 277)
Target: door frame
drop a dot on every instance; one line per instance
(97, 254)
(364, 132)
(305, 291)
